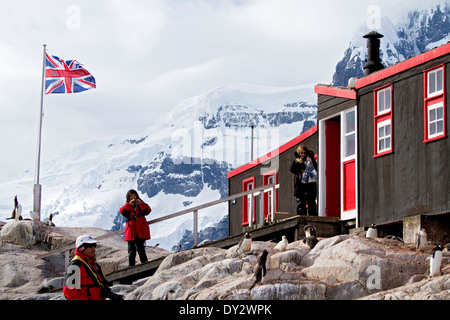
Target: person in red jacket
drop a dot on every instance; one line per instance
(137, 230)
(84, 277)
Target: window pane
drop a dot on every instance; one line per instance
(432, 128)
(440, 113)
(388, 99)
(432, 115)
(381, 145)
(431, 82)
(388, 130)
(350, 145)
(381, 132)
(439, 80)
(380, 101)
(388, 143)
(440, 126)
(350, 122)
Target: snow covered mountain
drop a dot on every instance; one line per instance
(181, 162)
(411, 35)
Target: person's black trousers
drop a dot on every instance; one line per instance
(139, 246)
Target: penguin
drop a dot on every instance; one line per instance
(17, 211)
(50, 222)
(372, 232)
(282, 245)
(169, 295)
(435, 261)
(392, 237)
(421, 240)
(34, 216)
(310, 241)
(245, 244)
(260, 268)
(310, 231)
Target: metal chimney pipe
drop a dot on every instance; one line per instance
(373, 62)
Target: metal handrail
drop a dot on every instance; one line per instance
(194, 210)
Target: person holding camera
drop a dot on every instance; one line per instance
(84, 278)
(304, 167)
(137, 230)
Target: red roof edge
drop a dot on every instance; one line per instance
(335, 91)
(404, 65)
(273, 153)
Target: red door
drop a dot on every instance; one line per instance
(349, 165)
(332, 167)
(349, 194)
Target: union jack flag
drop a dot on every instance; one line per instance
(66, 76)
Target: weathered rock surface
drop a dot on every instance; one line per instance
(22, 276)
(341, 267)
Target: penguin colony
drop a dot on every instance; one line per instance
(311, 240)
(421, 244)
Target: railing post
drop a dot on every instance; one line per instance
(261, 209)
(195, 232)
(250, 209)
(272, 203)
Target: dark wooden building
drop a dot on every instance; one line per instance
(383, 151)
(268, 169)
(389, 133)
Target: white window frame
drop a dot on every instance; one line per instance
(345, 134)
(385, 101)
(430, 122)
(433, 74)
(384, 124)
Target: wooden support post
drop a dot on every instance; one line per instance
(272, 204)
(195, 228)
(250, 210)
(261, 209)
(66, 259)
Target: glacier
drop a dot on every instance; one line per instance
(180, 163)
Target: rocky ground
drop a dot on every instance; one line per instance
(341, 267)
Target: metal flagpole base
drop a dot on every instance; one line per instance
(37, 199)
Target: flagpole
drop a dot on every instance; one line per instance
(37, 187)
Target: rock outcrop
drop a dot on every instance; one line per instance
(22, 276)
(341, 267)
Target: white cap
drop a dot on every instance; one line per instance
(84, 239)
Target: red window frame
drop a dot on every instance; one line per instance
(431, 101)
(245, 184)
(382, 117)
(266, 194)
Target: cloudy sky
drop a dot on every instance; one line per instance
(147, 56)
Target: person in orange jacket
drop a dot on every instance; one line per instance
(84, 277)
(137, 230)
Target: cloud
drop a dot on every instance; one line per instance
(148, 56)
